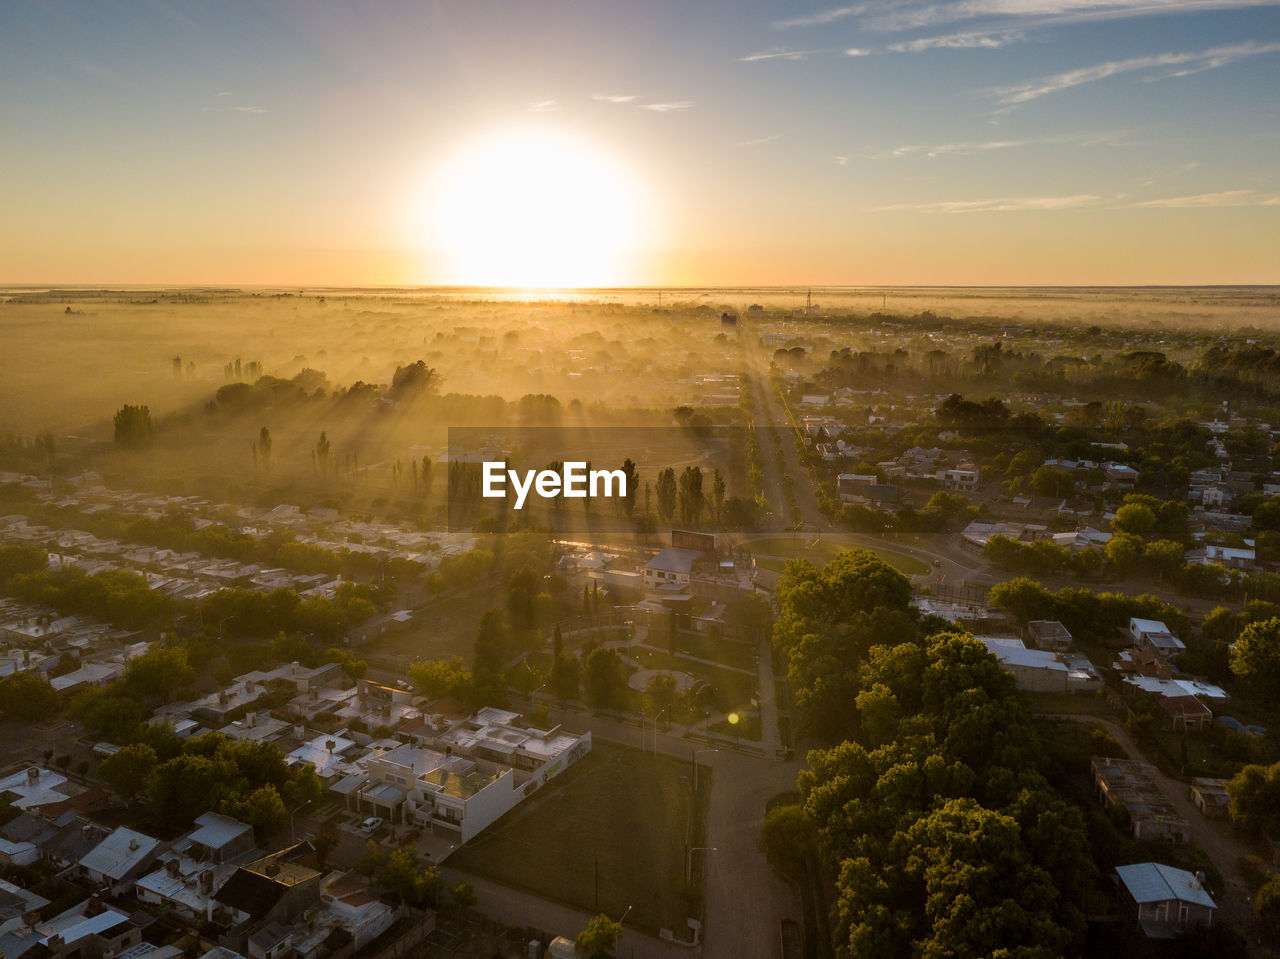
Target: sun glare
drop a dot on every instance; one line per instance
(530, 208)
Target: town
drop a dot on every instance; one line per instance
(280, 704)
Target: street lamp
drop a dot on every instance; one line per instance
(696, 754)
(688, 870)
(624, 915)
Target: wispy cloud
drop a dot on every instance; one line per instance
(1219, 199)
(236, 109)
(920, 14)
(674, 106)
(840, 160)
(614, 98)
(1193, 60)
(760, 141)
(987, 146)
(858, 52)
(960, 41)
(543, 106)
(775, 53)
(1000, 204)
(822, 17)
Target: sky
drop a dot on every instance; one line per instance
(717, 142)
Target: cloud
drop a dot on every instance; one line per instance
(1194, 60)
(760, 141)
(614, 98)
(841, 161)
(1219, 199)
(238, 109)
(775, 53)
(960, 41)
(543, 106)
(911, 16)
(1000, 204)
(918, 14)
(675, 106)
(857, 52)
(988, 146)
(822, 17)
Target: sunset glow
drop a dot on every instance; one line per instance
(530, 208)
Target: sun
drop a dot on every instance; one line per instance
(534, 209)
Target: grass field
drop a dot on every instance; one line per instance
(631, 813)
(773, 552)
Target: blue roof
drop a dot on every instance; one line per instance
(1156, 882)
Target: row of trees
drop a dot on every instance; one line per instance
(930, 810)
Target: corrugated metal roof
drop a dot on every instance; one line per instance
(1156, 882)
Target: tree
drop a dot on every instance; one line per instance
(321, 453)
(566, 676)
(632, 480)
(159, 672)
(133, 427)
(441, 677)
(263, 809)
(27, 697)
(667, 494)
(661, 694)
(692, 499)
(128, 770)
(1255, 658)
(1255, 799)
(786, 838)
(598, 940)
(264, 447)
(463, 896)
(1136, 519)
(604, 678)
(718, 489)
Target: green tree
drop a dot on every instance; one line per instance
(1136, 519)
(566, 676)
(599, 939)
(435, 678)
(160, 672)
(128, 770)
(27, 697)
(1255, 658)
(605, 678)
(1255, 799)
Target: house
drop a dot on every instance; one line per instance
(1177, 687)
(1163, 899)
(1210, 796)
(1041, 671)
(963, 477)
(1185, 713)
(87, 931)
(122, 856)
(1132, 786)
(219, 838)
(672, 566)
(35, 786)
(274, 892)
(1049, 634)
(1153, 634)
(354, 906)
(16, 908)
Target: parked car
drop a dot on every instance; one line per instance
(370, 825)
